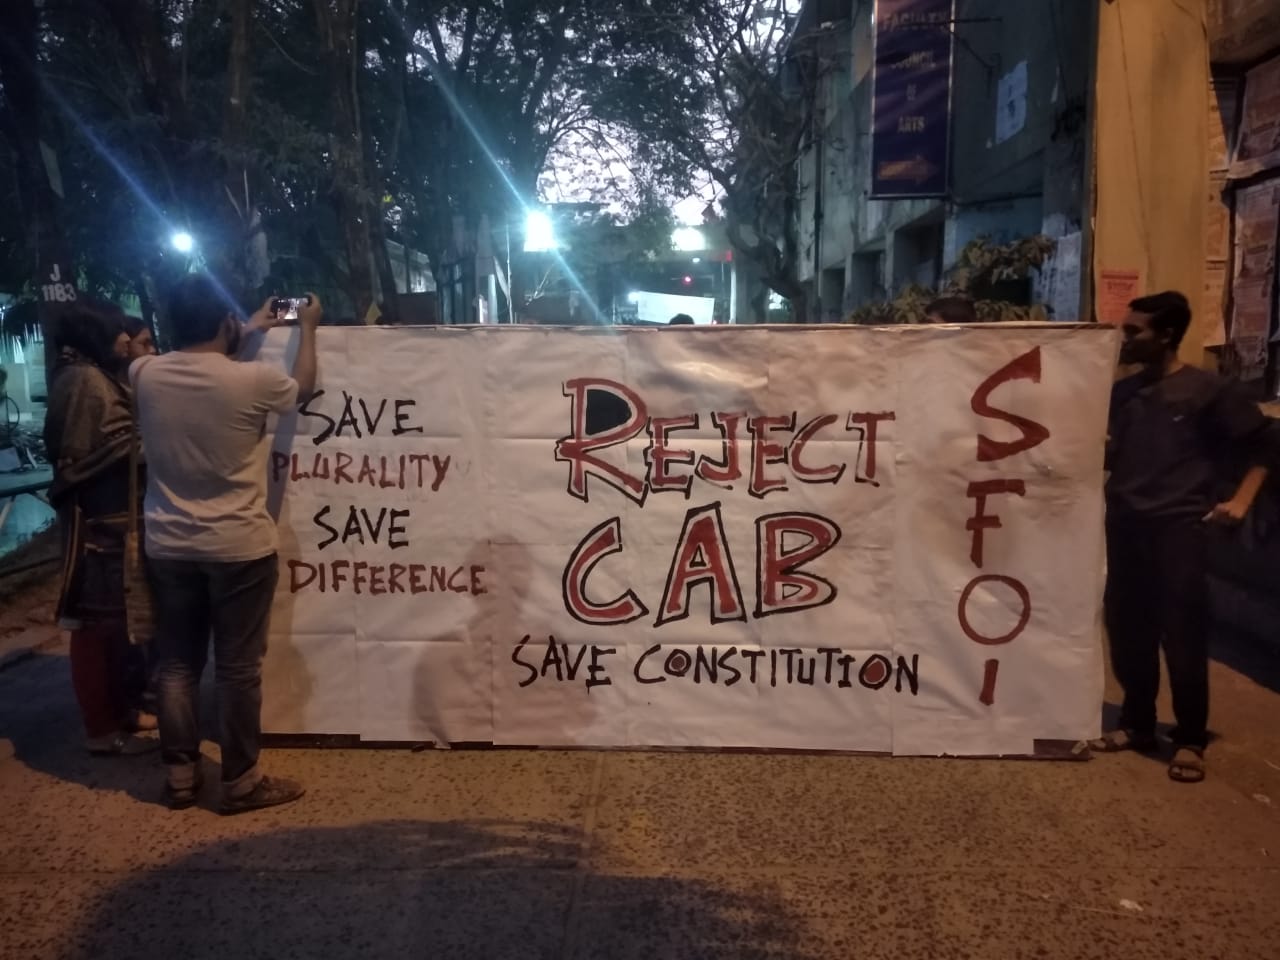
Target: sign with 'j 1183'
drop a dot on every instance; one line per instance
(842, 538)
(911, 107)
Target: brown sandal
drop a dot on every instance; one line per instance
(1115, 741)
(1187, 765)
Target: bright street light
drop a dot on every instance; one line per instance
(539, 234)
(688, 240)
(182, 241)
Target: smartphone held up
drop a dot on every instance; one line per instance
(286, 308)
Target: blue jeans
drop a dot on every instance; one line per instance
(233, 602)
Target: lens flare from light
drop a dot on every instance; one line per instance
(126, 176)
(182, 241)
(444, 87)
(539, 233)
(688, 240)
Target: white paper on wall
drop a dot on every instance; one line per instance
(1011, 103)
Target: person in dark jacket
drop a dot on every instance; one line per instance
(1176, 434)
(88, 435)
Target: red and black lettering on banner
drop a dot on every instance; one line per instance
(606, 414)
(1031, 435)
(767, 453)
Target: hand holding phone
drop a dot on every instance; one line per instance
(310, 312)
(286, 308)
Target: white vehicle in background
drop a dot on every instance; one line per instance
(661, 307)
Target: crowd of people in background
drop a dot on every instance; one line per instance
(189, 428)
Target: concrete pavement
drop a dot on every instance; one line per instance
(548, 854)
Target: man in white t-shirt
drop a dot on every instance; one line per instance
(210, 541)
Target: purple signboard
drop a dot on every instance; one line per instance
(911, 111)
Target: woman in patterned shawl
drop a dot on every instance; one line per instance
(88, 437)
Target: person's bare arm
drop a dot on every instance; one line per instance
(1237, 508)
(1256, 437)
(305, 368)
(254, 330)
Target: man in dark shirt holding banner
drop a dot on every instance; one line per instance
(1176, 432)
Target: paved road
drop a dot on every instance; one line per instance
(640, 855)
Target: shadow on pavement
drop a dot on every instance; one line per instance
(43, 727)
(1249, 656)
(398, 889)
(424, 889)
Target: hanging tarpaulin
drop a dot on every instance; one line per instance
(1258, 146)
(1257, 222)
(911, 120)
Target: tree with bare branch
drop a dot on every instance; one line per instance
(764, 79)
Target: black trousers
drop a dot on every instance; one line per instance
(1157, 596)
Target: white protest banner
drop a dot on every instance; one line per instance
(846, 538)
